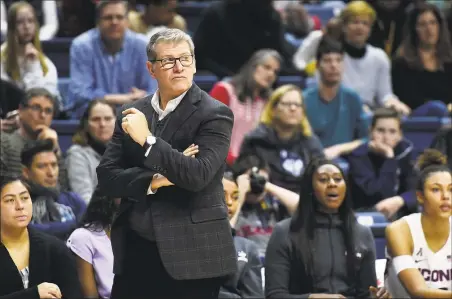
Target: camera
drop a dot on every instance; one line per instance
(257, 181)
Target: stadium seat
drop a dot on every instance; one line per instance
(378, 230)
(65, 130)
(422, 130)
(57, 50)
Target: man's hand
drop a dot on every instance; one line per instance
(332, 152)
(136, 93)
(162, 181)
(390, 206)
(9, 124)
(48, 133)
(399, 106)
(380, 293)
(135, 124)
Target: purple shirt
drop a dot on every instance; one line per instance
(95, 248)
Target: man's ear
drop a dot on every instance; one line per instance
(26, 172)
(150, 67)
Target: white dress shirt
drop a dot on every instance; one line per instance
(170, 107)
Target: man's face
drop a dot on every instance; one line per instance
(113, 21)
(174, 67)
(231, 196)
(330, 67)
(38, 112)
(43, 170)
(357, 30)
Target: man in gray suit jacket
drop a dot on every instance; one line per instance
(171, 237)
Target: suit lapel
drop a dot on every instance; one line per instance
(183, 111)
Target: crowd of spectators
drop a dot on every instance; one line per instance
(304, 159)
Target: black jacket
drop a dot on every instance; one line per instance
(287, 159)
(50, 261)
(374, 178)
(183, 214)
(285, 275)
(246, 282)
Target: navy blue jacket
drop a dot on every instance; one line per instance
(374, 177)
(246, 282)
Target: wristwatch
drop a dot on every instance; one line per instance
(150, 140)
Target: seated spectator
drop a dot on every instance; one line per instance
(381, 170)
(284, 138)
(76, 17)
(157, 15)
(367, 69)
(246, 94)
(231, 31)
(89, 142)
(443, 143)
(36, 112)
(304, 58)
(422, 70)
(22, 59)
(108, 62)
(322, 252)
(34, 264)
(261, 203)
(46, 14)
(387, 31)
(420, 245)
(247, 281)
(54, 212)
(92, 247)
(335, 112)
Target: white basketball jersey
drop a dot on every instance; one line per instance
(436, 268)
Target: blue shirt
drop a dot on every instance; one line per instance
(338, 121)
(96, 73)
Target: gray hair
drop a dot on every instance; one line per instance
(169, 35)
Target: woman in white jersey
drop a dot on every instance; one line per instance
(420, 244)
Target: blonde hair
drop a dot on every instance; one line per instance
(9, 53)
(358, 8)
(275, 97)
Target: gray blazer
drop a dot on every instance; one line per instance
(190, 219)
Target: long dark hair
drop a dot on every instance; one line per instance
(244, 82)
(303, 222)
(410, 44)
(99, 213)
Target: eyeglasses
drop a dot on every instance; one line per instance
(39, 109)
(110, 18)
(290, 104)
(170, 62)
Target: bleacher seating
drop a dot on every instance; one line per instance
(422, 130)
(378, 230)
(58, 52)
(193, 12)
(65, 130)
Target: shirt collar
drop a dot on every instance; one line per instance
(170, 107)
